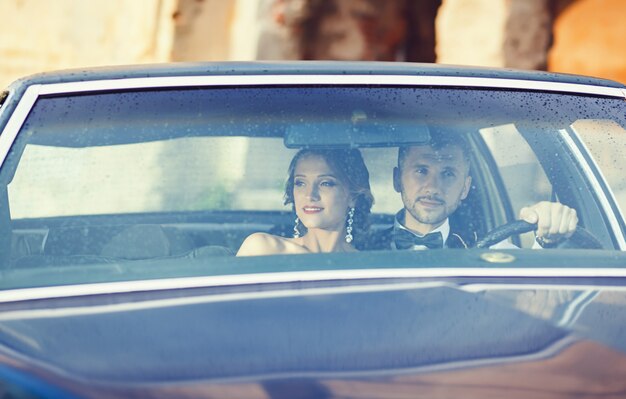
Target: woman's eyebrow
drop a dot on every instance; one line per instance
(324, 175)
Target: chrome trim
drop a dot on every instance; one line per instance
(225, 297)
(593, 179)
(7, 136)
(23, 294)
(252, 80)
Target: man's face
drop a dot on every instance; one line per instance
(432, 183)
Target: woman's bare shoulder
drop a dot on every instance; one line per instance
(262, 244)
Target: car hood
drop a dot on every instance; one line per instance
(427, 334)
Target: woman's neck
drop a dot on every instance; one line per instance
(317, 240)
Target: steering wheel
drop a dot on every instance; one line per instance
(580, 239)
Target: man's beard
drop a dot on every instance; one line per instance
(435, 217)
(432, 218)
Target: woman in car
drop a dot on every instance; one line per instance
(330, 194)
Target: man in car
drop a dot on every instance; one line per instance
(433, 180)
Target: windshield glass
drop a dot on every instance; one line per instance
(179, 178)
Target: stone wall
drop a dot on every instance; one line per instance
(528, 32)
(498, 33)
(201, 30)
(590, 39)
(349, 30)
(575, 36)
(471, 32)
(41, 35)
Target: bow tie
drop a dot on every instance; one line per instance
(406, 240)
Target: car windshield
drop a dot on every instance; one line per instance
(126, 185)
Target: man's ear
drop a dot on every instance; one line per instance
(467, 186)
(397, 184)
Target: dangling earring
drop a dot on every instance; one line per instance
(296, 232)
(349, 228)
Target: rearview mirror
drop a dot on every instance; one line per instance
(355, 134)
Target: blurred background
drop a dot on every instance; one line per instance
(574, 36)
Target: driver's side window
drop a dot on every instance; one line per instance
(523, 176)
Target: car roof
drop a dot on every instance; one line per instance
(302, 68)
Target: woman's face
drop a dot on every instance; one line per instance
(321, 199)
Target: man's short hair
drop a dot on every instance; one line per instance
(438, 140)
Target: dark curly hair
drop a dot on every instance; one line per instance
(350, 168)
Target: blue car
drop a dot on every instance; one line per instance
(127, 192)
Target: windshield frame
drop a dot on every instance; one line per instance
(594, 176)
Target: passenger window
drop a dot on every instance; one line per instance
(606, 141)
(187, 174)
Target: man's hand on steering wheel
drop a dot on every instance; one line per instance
(555, 222)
